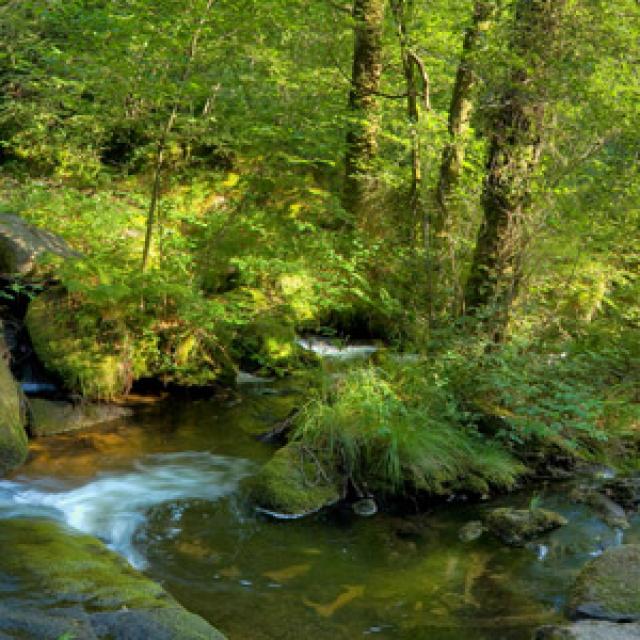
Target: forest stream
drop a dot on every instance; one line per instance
(164, 489)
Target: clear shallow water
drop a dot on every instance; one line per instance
(165, 489)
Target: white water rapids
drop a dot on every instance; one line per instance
(114, 505)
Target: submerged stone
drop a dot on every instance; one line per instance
(13, 438)
(515, 526)
(71, 583)
(294, 483)
(608, 588)
(365, 507)
(49, 417)
(611, 512)
(471, 531)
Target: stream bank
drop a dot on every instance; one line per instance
(165, 489)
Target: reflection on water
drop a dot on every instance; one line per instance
(162, 488)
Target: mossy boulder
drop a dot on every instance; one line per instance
(269, 343)
(608, 588)
(294, 483)
(589, 630)
(66, 340)
(13, 438)
(71, 583)
(516, 526)
(99, 351)
(48, 417)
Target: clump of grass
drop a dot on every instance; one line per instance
(397, 428)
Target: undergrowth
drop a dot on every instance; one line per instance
(470, 417)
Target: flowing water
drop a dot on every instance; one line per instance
(165, 490)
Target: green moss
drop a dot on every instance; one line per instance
(609, 586)
(270, 342)
(13, 438)
(75, 568)
(294, 483)
(516, 526)
(66, 568)
(73, 352)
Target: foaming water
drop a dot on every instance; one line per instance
(113, 506)
(325, 348)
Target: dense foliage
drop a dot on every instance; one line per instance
(217, 133)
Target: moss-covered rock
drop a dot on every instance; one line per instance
(13, 438)
(608, 588)
(269, 343)
(589, 630)
(515, 526)
(48, 417)
(99, 352)
(94, 368)
(78, 586)
(294, 483)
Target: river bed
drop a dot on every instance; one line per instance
(164, 489)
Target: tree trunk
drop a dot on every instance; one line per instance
(449, 294)
(460, 112)
(516, 139)
(417, 85)
(362, 136)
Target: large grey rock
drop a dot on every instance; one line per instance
(49, 417)
(608, 588)
(13, 438)
(21, 244)
(590, 630)
(66, 583)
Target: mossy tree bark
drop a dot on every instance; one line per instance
(461, 111)
(362, 136)
(517, 134)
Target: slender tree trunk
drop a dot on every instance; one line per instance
(362, 136)
(417, 84)
(516, 139)
(461, 111)
(166, 131)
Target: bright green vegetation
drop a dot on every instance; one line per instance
(398, 429)
(473, 199)
(13, 438)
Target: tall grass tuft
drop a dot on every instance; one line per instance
(397, 428)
